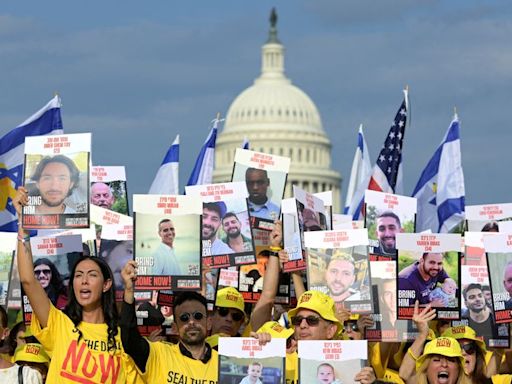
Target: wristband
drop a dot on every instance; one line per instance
(273, 253)
(415, 358)
(275, 249)
(23, 239)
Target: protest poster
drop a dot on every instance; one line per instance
(56, 175)
(54, 258)
(386, 215)
(8, 242)
(226, 237)
(487, 217)
(338, 265)
(477, 311)
(101, 216)
(291, 236)
(326, 197)
(499, 265)
(167, 244)
(108, 188)
(116, 248)
(386, 326)
(88, 237)
(340, 221)
(331, 361)
(251, 276)
(14, 292)
(242, 359)
(265, 176)
(429, 271)
(474, 252)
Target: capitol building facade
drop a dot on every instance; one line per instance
(279, 118)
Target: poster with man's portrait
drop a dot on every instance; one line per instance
(331, 361)
(499, 265)
(429, 272)
(167, 244)
(116, 248)
(386, 326)
(326, 197)
(252, 276)
(477, 311)
(108, 188)
(386, 216)
(243, 360)
(338, 266)
(226, 237)
(487, 217)
(56, 175)
(265, 177)
(292, 240)
(54, 258)
(8, 241)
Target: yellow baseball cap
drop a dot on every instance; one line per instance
(276, 330)
(465, 332)
(229, 297)
(320, 303)
(444, 346)
(31, 352)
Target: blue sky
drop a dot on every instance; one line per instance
(135, 74)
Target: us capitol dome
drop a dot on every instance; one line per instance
(278, 118)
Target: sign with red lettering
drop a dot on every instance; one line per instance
(487, 217)
(338, 360)
(167, 243)
(56, 175)
(428, 268)
(265, 178)
(244, 357)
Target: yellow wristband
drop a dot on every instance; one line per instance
(412, 355)
(275, 249)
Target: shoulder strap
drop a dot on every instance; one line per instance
(20, 374)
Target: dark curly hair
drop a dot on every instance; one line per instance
(56, 286)
(74, 173)
(108, 302)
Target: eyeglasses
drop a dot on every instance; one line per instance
(311, 320)
(469, 348)
(185, 317)
(235, 315)
(45, 272)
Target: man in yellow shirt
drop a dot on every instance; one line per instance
(192, 360)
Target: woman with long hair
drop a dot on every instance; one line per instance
(441, 362)
(52, 282)
(84, 340)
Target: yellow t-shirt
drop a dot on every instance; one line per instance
(85, 361)
(292, 368)
(166, 364)
(501, 379)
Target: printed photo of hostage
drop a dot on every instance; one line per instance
(343, 274)
(431, 278)
(479, 316)
(58, 193)
(386, 216)
(265, 178)
(117, 253)
(110, 195)
(167, 250)
(226, 236)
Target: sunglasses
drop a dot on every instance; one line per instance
(185, 317)
(469, 348)
(45, 272)
(311, 320)
(351, 327)
(235, 315)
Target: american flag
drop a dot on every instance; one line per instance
(387, 170)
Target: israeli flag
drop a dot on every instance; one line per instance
(46, 121)
(203, 168)
(167, 178)
(440, 190)
(359, 177)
